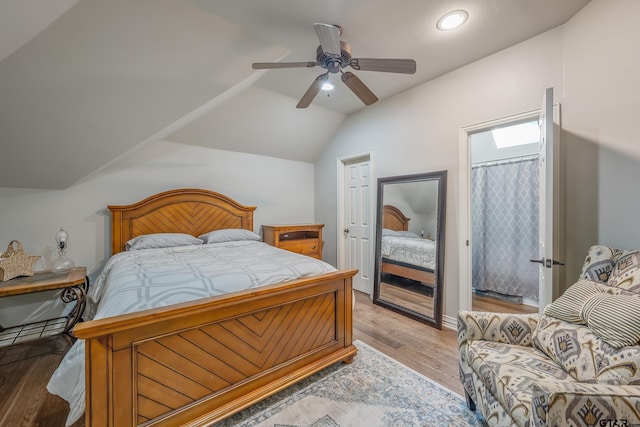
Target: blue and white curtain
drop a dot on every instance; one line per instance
(504, 206)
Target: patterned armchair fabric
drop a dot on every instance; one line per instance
(580, 404)
(538, 370)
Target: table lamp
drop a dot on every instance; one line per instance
(62, 263)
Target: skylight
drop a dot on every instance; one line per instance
(520, 134)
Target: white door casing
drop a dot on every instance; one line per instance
(354, 223)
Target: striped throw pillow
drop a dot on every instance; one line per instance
(567, 307)
(614, 318)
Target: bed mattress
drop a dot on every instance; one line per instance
(408, 250)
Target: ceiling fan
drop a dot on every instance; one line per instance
(333, 55)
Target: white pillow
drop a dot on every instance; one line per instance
(229, 235)
(161, 240)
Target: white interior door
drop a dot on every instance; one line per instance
(547, 190)
(357, 223)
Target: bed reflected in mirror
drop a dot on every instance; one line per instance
(410, 245)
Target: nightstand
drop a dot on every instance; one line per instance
(305, 239)
(74, 284)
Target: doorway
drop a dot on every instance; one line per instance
(550, 191)
(505, 216)
(466, 256)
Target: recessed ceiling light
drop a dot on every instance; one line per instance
(327, 86)
(452, 20)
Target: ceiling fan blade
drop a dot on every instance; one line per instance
(270, 65)
(329, 36)
(359, 88)
(404, 66)
(313, 90)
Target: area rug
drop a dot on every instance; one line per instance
(373, 391)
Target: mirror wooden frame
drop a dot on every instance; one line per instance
(441, 178)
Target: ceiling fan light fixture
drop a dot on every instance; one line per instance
(452, 20)
(333, 55)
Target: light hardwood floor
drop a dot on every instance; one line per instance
(482, 303)
(418, 302)
(430, 351)
(25, 368)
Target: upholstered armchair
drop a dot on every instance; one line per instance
(574, 365)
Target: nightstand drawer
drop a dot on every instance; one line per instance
(305, 239)
(310, 247)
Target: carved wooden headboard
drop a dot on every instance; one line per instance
(188, 210)
(394, 219)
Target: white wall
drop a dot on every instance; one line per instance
(600, 134)
(417, 131)
(279, 188)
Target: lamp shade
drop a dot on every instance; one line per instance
(61, 237)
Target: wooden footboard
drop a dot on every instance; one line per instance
(197, 363)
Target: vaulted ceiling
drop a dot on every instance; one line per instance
(82, 82)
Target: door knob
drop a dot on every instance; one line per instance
(346, 230)
(539, 261)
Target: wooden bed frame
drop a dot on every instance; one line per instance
(394, 219)
(199, 362)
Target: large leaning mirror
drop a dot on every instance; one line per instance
(410, 245)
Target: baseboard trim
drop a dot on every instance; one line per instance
(450, 322)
